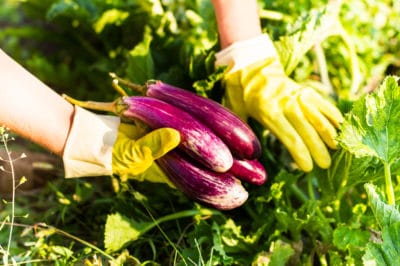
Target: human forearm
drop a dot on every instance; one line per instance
(31, 109)
(237, 20)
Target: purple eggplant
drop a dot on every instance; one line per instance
(239, 137)
(251, 171)
(197, 140)
(220, 190)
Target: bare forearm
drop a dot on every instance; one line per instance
(31, 109)
(237, 20)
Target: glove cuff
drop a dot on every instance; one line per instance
(88, 151)
(244, 53)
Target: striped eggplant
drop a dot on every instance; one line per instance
(239, 137)
(228, 126)
(222, 191)
(197, 140)
(250, 171)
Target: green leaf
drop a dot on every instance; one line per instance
(309, 30)
(371, 128)
(347, 171)
(281, 253)
(140, 61)
(385, 214)
(345, 237)
(63, 251)
(218, 244)
(233, 236)
(72, 8)
(386, 252)
(204, 86)
(120, 230)
(110, 17)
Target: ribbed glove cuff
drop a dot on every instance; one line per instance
(88, 151)
(242, 54)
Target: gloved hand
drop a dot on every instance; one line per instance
(258, 87)
(100, 145)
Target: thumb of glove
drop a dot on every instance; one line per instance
(131, 157)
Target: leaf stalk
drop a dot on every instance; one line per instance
(389, 184)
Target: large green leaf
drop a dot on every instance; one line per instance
(308, 31)
(121, 230)
(384, 249)
(386, 252)
(372, 127)
(140, 61)
(385, 214)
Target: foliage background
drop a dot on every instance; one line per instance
(321, 218)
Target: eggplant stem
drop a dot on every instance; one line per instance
(99, 106)
(131, 85)
(118, 88)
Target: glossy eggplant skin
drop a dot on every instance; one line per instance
(250, 171)
(239, 137)
(197, 140)
(219, 190)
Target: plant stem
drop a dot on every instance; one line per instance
(299, 193)
(10, 161)
(354, 64)
(342, 189)
(310, 187)
(133, 86)
(99, 106)
(175, 216)
(388, 184)
(118, 88)
(178, 215)
(61, 232)
(323, 67)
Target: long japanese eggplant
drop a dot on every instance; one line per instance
(239, 137)
(219, 190)
(197, 140)
(250, 171)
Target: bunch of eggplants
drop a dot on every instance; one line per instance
(217, 149)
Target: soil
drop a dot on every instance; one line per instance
(34, 166)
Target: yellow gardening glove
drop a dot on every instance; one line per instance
(100, 145)
(257, 86)
(135, 150)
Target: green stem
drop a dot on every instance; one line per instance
(356, 74)
(342, 189)
(118, 88)
(323, 67)
(273, 15)
(388, 184)
(99, 106)
(10, 161)
(175, 216)
(131, 85)
(61, 232)
(310, 187)
(299, 193)
(178, 215)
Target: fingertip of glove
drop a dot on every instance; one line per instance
(172, 134)
(306, 168)
(305, 164)
(325, 164)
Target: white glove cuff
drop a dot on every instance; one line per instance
(88, 151)
(241, 54)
